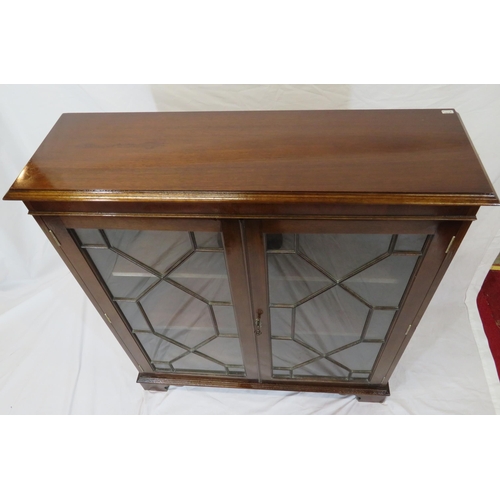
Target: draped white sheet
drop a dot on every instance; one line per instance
(56, 354)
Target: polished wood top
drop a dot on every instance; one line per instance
(351, 156)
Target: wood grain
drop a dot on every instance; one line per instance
(355, 156)
(161, 381)
(251, 211)
(251, 173)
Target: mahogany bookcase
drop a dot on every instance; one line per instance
(286, 250)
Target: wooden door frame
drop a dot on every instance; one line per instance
(430, 268)
(247, 270)
(56, 229)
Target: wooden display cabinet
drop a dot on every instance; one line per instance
(286, 250)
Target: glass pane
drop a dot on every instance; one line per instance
(304, 362)
(279, 242)
(281, 322)
(331, 320)
(196, 363)
(208, 240)
(360, 356)
(89, 236)
(156, 249)
(159, 350)
(340, 254)
(178, 315)
(384, 283)
(129, 285)
(380, 322)
(134, 316)
(226, 350)
(410, 242)
(288, 354)
(342, 292)
(174, 294)
(226, 321)
(292, 279)
(322, 367)
(205, 274)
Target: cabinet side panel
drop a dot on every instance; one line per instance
(80, 269)
(436, 261)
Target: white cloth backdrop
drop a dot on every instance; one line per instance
(57, 355)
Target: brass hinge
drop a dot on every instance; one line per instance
(107, 317)
(55, 238)
(451, 243)
(407, 330)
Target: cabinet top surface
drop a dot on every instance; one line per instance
(383, 156)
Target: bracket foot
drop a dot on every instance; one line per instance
(370, 398)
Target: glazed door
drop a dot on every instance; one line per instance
(275, 300)
(169, 288)
(335, 300)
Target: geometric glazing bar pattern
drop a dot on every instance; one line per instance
(172, 288)
(333, 299)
